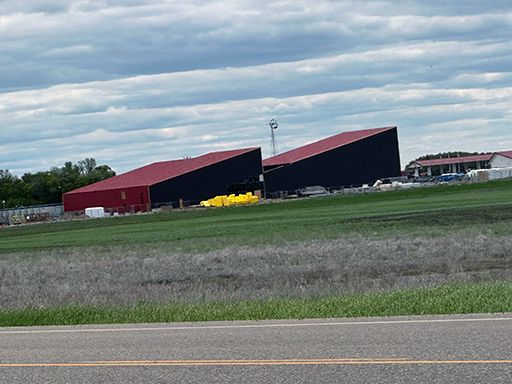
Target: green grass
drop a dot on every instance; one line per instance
(448, 299)
(430, 211)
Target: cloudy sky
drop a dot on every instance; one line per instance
(130, 82)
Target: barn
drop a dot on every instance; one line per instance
(166, 183)
(346, 159)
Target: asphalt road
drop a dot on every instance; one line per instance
(456, 349)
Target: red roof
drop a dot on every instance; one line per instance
(455, 160)
(157, 172)
(505, 153)
(322, 146)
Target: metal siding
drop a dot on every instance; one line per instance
(108, 199)
(357, 163)
(208, 181)
(158, 172)
(321, 146)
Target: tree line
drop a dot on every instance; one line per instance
(47, 187)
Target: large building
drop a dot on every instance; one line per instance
(450, 164)
(347, 159)
(189, 180)
(461, 164)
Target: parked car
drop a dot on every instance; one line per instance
(315, 190)
(446, 177)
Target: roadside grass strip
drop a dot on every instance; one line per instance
(446, 299)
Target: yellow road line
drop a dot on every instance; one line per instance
(233, 361)
(199, 363)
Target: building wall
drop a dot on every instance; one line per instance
(500, 161)
(125, 199)
(209, 181)
(357, 163)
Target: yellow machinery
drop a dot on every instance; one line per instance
(226, 201)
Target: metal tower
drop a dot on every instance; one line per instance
(273, 126)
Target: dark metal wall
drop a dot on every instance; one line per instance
(209, 181)
(357, 163)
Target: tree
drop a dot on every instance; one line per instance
(87, 166)
(38, 184)
(69, 176)
(100, 173)
(47, 187)
(13, 190)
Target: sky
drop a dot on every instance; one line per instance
(130, 82)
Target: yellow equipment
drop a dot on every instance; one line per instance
(226, 201)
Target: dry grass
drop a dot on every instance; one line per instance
(132, 274)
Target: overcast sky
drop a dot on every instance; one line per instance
(130, 82)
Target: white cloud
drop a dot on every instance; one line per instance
(68, 51)
(137, 81)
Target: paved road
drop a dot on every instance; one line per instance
(460, 349)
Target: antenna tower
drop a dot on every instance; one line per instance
(273, 126)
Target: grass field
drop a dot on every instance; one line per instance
(294, 253)
(429, 211)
